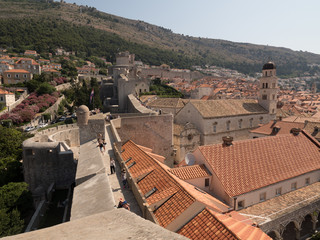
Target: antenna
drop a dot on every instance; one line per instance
(190, 159)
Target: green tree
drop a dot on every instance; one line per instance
(16, 195)
(10, 143)
(10, 222)
(10, 170)
(45, 88)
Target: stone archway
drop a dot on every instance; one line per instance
(290, 231)
(275, 235)
(306, 226)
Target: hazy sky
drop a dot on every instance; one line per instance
(282, 23)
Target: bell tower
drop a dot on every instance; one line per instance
(268, 88)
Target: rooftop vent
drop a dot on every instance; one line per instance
(295, 131)
(227, 141)
(275, 130)
(152, 191)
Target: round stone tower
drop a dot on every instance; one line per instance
(269, 88)
(83, 115)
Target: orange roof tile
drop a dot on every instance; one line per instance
(2, 91)
(206, 226)
(17, 71)
(190, 172)
(285, 127)
(173, 207)
(177, 195)
(239, 167)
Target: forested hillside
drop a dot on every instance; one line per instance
(42, 26)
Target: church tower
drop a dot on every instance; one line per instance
(268, 88)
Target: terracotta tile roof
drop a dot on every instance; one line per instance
(167, 103)
(206, 226)
(2, 91)
(173, 207)
(16, 71)
(313, 128)
(241, 229)
(190, 172)
(285, 127)
(152, 175)
(239, 167)
(33, 62)
(177, 195)
(230, 107)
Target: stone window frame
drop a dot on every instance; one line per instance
(251, 122)
(278, 191)
(261, 118)
(264, 97)
(307, 181)
(240, 204)
(214, 125)
(293, 186)
(262, 197)
(206, 182)
(240, 123)
(228, 125)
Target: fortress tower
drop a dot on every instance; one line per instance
(268, 88)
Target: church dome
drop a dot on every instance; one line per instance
(269, 65)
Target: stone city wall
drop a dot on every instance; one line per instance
(155, 132)
(94, 127)
(135, 106)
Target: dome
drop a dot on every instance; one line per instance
(269, 65)
(82, 109)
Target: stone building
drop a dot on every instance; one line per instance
(47, 162)
(125, 80)
(7, 98)
(29, 65)
(233, 117)
(269, 179)
(186, 138)
(14, 76)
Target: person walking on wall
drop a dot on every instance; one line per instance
(112, 166)
(124, 178)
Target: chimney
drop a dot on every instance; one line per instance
(227, 141)
(295, 131)
(275, 130)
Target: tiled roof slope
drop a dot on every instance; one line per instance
(190, 172)
(313, 128)
(152, 175)
(167, 103)
(177, 196)
(206, 226)
(252, 164)
(285, 127)
(2, 91)
(229, 107)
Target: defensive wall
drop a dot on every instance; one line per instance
(171, 74)
(155, 132)
(111, 225)
(93, 213)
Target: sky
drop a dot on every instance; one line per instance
(292, 24)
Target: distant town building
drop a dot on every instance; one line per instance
(29, 65)
(15, 76)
